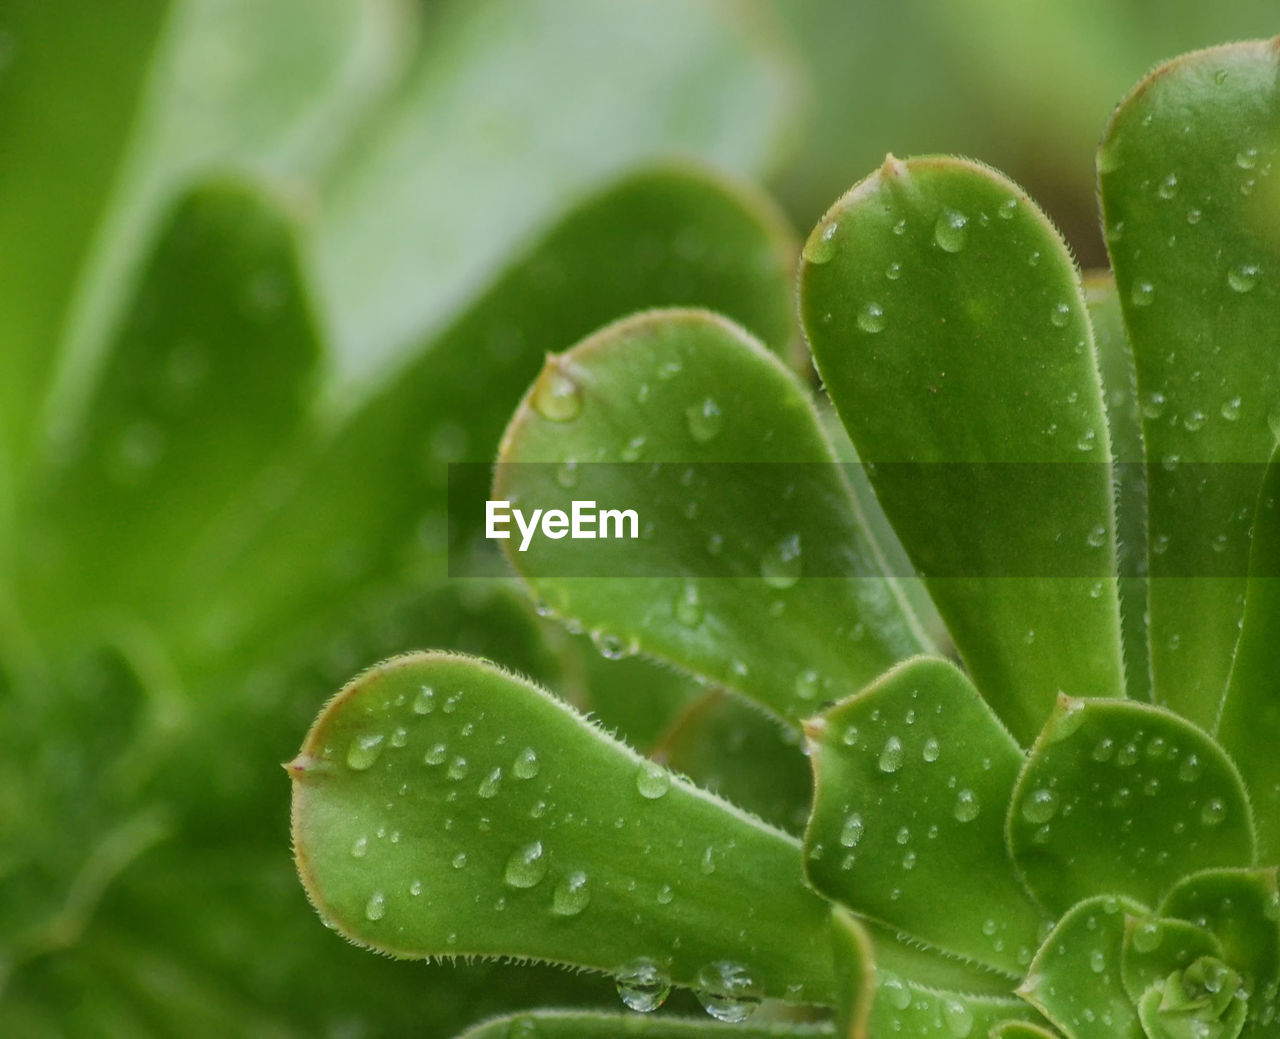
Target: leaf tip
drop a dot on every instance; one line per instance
(892, 168)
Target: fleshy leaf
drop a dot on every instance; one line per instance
(566, 1024)
(1020, 1030)
(1075, 979)
(1200, 1002)
(1127, 798)
(1242, 909)
(219, 338)
(1124, 419)
(1191, 220)
(737, 486)
(372, 501)
(911, 781)
(1154, 948)
(937, 285)
(1249, 729)
(445, 808)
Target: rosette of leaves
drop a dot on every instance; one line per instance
(1072, 831)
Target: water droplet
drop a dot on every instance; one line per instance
(967, 806)
(491, 784)
(526, 867)
(1231, 409)
(1142, 293)
(376, 908)
(1097, 961)
(1097, 536)
(556, 397)
(895, 989)
(708, 863)
(425, 701)
(821, 244)
(567, 474)
(360, 848)
(1153, 405)
(1193, 216)
(652, 780)
(1148, 936)
(704, 420)
(415, 889)
(1168, 187)
(807, 685)
(526, 764)
(642, 985)
(894, 271)
(1060, 315)
(891, 755)
(610, 646)
(364, 751)
(435, 755)
(782, 565)
(852, 830)
(1087, 440)
(728, 991)
(1190, 769)
(1243, 277)
(1213, 812)
(1104, 749)
(871, 318)
(1247, 159)
(1007, 209)
(951, 231)
(665, 895)
(1040, 806)
(458, 768)
(931, 749)
(571, 895)
(688, 607)
(631, 452)
(399, 737)
(1193, 421)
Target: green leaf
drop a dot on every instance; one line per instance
(1020, 1030)
(1075, 979)
(462, 169)
(855, 974)
(1190, 221)
(1249, 729)
(903, 1007)
(1124, 420)
(735, 482)
(553, 1024)
(937, 285)
(219, 337)
(1160, 1020)
(1154, 948)
(911, 780)
(371, 501)
(445, 808)
(1125, 798)
(69, 84)
(1242, 909)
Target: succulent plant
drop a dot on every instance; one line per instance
(1072, 828)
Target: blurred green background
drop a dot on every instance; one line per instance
(266, 267)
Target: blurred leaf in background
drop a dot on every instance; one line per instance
(266, 268)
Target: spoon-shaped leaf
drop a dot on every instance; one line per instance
(1075, 979)
(1125, 798)
(911, 780)
(1191, 222)
(569, 1024)
(1249, 729)
(220, 337)
(948, 323)
(445, 808)
(855, 974)
(735, 484)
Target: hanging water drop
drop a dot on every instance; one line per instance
(425, 700)
(642, 985)
(728, 991)
(652, 780)
(967, 807)
(852, 830)
(1040, 806)
(821, 244)
(491, 784)
(376, 908)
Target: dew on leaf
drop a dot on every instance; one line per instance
(425, 700)
(891, 755)
(1244, 277)
(652, 780)
(526, 764)
(571, 894)
(728, 991)
(376, 908)
(871, 318)
(704, 420)
(526, 867)
(642, 985)
(364, 751)
(783, 564)
(951, 231)
(967, 806)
